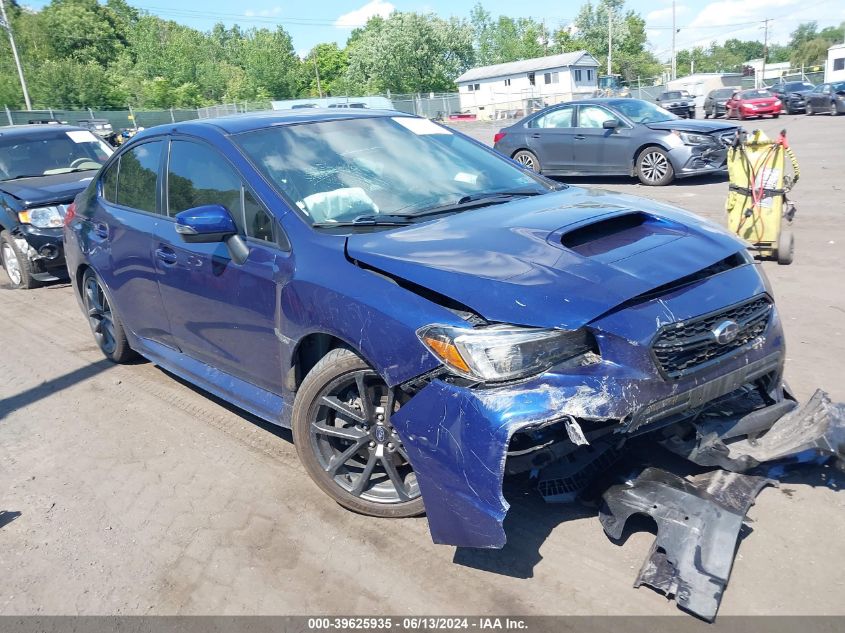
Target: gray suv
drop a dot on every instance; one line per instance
(616, 137)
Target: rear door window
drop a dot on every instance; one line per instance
(109, 182)
(137, 185)
(198, 175)
(558, 118)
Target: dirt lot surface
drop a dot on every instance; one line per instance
(125, 491)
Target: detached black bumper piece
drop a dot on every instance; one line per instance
(782, 432)
(698, 524)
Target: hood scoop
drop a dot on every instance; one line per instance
(614, 237)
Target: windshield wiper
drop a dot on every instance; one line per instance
(369, 220)
(475, 201)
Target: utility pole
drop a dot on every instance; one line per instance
(609, 37)
(674, 60)
(4, 22)
(317, 74)
(765, 51)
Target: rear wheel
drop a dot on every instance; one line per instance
(344, 437)
(654, 167)
(528, 159)
(809, 110)
(15, 263)
(106, 326)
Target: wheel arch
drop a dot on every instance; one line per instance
(308, 351)
(640, 150)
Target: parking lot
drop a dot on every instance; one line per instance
(126, 491)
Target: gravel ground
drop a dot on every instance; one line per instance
(126, 491)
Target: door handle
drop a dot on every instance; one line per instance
(101, 229)
(579, 137)
(535, 135)
(166, 255)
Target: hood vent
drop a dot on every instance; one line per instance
(611, 232)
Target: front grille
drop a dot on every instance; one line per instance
(683, 347)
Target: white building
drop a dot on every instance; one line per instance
(493, 91)
(834, 69)
(699, 84)
(773, 71)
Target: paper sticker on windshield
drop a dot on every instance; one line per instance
(470, 179)
(81, 136)
(420, 126)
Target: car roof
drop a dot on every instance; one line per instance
(15, 131)
(234, 124)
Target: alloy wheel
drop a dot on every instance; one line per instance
(654, 166)
(355, 442)
(100, 315)
(526, 160)
(12, 265)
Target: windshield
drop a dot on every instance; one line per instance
(673, 95)
(643, 111)
(725, 93)
(755, 94)
(48, 153)
(337, 171)
(797, 85)
(838, 87)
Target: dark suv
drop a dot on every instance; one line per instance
(678, 102)
(792, 94)
(42, 168)
(716, 100)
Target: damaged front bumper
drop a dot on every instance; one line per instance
(44, 247)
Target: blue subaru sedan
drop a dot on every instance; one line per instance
(426, 315)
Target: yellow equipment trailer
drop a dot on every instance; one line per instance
(757, 206)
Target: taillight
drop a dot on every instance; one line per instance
(70, 213)
(498, 137)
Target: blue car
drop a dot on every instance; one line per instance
(425, 314)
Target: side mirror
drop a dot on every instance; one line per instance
(610, 124)
(208, 223)
(212, 223)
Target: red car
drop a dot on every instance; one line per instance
(757, 102)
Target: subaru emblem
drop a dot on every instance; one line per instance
(725, 332)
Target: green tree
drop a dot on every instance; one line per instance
(332, 63)
(409, 52)
(506, 39)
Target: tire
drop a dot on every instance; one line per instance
(776, 115)
(342, 445)
(528, 159)
(786, 247)
(809, 110)
(16, 264)
(105, 324)
(707, 114)
(654, 167)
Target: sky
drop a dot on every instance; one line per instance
(310, 23)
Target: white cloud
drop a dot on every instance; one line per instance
(663, 17)
(264, 13)
(740, 19)
(360, 16)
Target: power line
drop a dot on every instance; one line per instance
(4, 22)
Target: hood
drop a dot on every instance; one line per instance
(761, 101)
(557, 260)
(692, 125)
(55, 189)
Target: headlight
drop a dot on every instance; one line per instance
(778, 102)
(503, 352)
(42, 217)
(696, 139)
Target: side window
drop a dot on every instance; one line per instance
(198, 175)
(559, 118)
(109, 182)
(593, 116)
(256, 221)
(137, 188)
